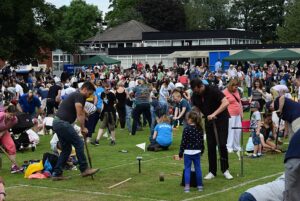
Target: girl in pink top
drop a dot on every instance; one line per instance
(7, 121)
(236, 112)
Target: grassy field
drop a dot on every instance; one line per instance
(116, 167)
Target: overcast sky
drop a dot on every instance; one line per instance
(102, 4)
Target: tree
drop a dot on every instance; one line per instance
(289, 32)
(26, 28)
(122, 11)
(78, 22)
(261, 16)
(207, 14)
(167, 15)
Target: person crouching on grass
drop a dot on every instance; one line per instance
(190, 148)
(255, 123)
(162, 137)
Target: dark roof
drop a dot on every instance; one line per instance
(171, 49)
(128, 31)
(200, 34)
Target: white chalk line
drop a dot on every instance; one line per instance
(132, 163)
(79, 191)
(233, 187)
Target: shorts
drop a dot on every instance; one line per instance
(255, 138)
(108, 121)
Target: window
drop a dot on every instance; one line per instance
(128, 44)
(55, 58)
(209, 42)
(195, 42)
(177, 43)
(220, 42)
(202, 42)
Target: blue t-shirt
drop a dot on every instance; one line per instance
(98, 93)
(29, 107)
(164, 134)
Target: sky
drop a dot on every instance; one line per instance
(102, 4)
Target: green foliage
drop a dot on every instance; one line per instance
(289, 32)
(78, 22)
(26, 27)
(261, 16)
(167, 15)
(122, 11)
(207, 14)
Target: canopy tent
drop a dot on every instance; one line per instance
(283, 54)
(188, 54)
(246, 55)
(99, 59)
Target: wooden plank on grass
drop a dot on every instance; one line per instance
(117, 184)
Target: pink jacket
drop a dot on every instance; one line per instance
(234, 107)
(6, 124)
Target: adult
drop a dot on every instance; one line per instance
(108, 115)
(289, 111)
(236, 114)
(142, 104)
(7, 121)
(29, 103)
(213, 105)
(52, 98)
(70, 109)
(121, 103)
(257, 94)
(232, 72)
(269, 191)
(218, 65)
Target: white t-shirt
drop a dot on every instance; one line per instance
(254, 119)
(19, 89)
(269, 191)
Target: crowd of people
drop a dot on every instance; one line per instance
(203, 102)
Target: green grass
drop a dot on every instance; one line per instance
(116, 166)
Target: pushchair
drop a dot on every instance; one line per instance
(22, 134)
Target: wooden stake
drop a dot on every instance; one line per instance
(117, 184)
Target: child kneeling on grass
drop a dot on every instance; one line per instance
(191, 147)
(162, 137)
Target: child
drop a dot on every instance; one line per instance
(192, 146)
(182, 107)
(255, 123)
(162, 137)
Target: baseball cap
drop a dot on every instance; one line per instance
(255, 104)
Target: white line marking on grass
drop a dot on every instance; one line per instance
(125, 164)
(233, 187)
(78, 191)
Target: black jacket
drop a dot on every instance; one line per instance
(192, 139)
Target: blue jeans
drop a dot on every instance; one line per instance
(67, 137)
(188, 159)
(91, 123)
(247, 197)
(128, 117)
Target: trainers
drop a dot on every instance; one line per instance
(209, 176)
(200, 188)
(113, 142)
(89, 172)
(15, 169)
(227, 175)
(96, 142)
(186, 190)
(238, 153)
